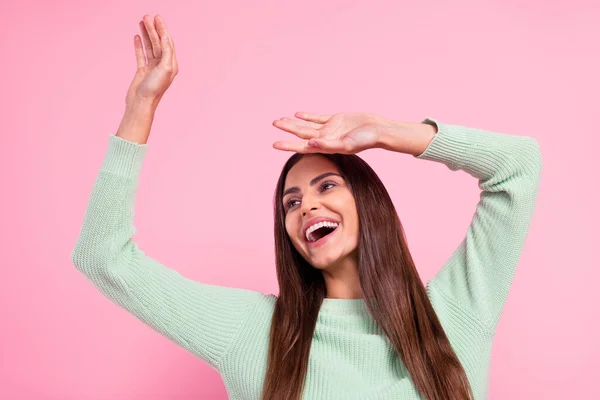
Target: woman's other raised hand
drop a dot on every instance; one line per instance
(157, 68)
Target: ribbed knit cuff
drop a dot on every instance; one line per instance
(123, 157)
(480, 152)
(447, 146)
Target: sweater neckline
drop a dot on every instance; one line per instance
(347, 306)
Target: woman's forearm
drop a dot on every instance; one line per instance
(405, 137)
(137, 121)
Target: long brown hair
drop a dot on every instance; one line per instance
(387, 274)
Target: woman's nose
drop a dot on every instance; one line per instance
(308, 203)
(304, 211)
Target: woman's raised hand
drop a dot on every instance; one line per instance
(157, 68)
(346, 133)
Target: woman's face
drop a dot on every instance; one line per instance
(316, 195)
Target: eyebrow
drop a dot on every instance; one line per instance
(296, 189)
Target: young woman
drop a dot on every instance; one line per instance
(352, 319)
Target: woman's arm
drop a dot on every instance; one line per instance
(205, 319)
(478, 275)
(201, 318)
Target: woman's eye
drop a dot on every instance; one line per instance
(289, 203)
(323, 186)
(326, 184)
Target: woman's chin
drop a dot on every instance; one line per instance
(324, 261)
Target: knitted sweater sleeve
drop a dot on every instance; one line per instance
(477, 276)
(202, 318)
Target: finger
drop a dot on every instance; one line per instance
(172, 44)
(167, 52)
(161, 28)
(153, 35)
(298, 147)
(318, 118)
(300, 122)
(139, 52)
(331, 145)
(147, 42)
(175, 65)
(303, 132)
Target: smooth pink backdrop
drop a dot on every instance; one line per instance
(204, 205)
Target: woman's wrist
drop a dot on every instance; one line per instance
(137, 121)
(405, 137)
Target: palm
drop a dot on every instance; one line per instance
(156, 66)
(346, 133)
(151, 81)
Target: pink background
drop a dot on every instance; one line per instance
(204, 202)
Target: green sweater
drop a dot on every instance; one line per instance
(350, 357)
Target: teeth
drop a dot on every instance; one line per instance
(316, 226)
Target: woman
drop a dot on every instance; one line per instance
(339, 243)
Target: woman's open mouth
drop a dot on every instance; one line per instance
(322, 236)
